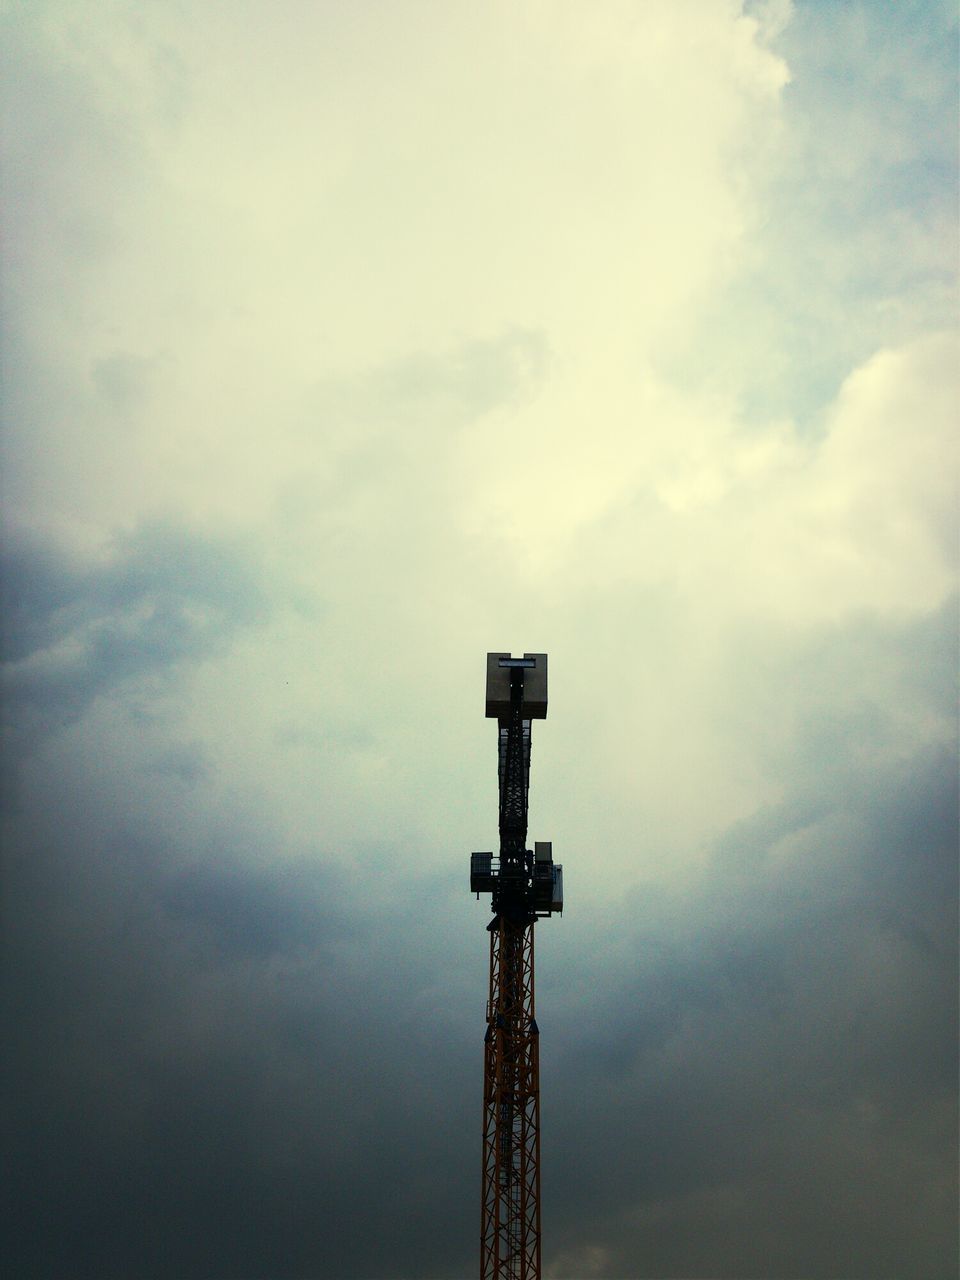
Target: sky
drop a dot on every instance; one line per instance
(342, 344)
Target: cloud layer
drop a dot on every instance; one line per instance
(342, 345)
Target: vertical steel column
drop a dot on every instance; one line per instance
(510, 1226)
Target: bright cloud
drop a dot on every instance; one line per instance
(345, 343)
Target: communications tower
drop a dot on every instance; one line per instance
(525, 886)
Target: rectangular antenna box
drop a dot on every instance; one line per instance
(534, 668)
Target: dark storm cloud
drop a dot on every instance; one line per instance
(227, 1069)
(227, 1064)
(233, 1051)
(73, 630)
(780, 1045)
(215, 1064)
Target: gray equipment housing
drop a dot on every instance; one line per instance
(534, 667)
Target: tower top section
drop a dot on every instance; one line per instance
(532, 670)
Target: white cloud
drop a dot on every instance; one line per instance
(361, 207)
(647, 483)
(616, 331)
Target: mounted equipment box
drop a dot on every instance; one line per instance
(499, 669)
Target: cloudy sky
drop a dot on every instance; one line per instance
(344, 342)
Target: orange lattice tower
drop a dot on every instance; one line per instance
(526, 886)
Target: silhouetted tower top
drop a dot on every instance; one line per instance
(525, 886)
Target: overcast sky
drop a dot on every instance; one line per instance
(347, 341)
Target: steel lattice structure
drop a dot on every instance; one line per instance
(510, 1228)
(525, 886)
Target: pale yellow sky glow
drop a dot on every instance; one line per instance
(349, 341)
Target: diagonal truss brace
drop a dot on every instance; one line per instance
(510, 1229)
